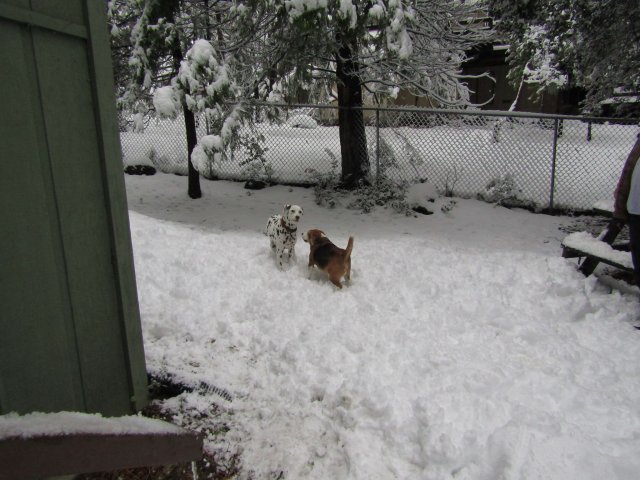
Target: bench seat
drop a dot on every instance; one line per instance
(582, 244)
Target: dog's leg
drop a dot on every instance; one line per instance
(348, 274)
(284, 258)
(336, 282)
(278, 253)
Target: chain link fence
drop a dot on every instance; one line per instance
(542, 161)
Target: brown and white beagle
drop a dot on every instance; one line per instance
(335, 261)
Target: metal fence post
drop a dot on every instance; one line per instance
(556, 125)
(377, 145)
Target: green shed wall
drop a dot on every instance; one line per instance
(70, 336)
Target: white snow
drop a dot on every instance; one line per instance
(212, 142)
(299, 7)
(302, 121)
(465, 347)
(376, 11)
(40, 424)
(347, 10)
(202, 76)
(166, 102)
(201, 52)
(604, 205)
(421, 194)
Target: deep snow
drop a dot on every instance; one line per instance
(465, 346)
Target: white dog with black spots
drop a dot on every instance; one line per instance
(282, 232)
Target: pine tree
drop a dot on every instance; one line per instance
(150, 39)
(275, 48)
(370, 46)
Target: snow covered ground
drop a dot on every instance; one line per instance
(465, 346)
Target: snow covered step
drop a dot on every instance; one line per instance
(47, 444)
(582, 244)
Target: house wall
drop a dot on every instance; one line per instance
(495, 92)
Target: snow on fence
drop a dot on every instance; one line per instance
(545, 161)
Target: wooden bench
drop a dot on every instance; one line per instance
(601, 249)
(63, 448)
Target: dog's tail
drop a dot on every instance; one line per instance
(347, 251)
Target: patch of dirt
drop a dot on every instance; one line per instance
(594, 224)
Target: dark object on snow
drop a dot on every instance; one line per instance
(255, 184)
(165, 386)
(140, 170)
(422, 210)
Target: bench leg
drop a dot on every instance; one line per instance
(610, 234)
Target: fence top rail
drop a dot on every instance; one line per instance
(489, 113)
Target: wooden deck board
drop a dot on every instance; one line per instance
(36, 457)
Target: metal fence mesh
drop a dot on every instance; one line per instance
(537, 160)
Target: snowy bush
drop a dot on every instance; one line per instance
(421, 194)
(163, 162)
(502, 190)
(206, 154)
(166, 101)
(302, 121)
(452, 177)
(385, 154)
(326, 185)
(382, 193)
(255, 166)
(412, 155)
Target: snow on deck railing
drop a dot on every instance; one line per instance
(39, 424)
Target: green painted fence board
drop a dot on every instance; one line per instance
(71, 336)
(106, 116)
(34, 308)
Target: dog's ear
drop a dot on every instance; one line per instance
(287, 207)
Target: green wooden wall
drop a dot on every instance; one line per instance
(70, 335)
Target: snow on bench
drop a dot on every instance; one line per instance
(48, 444)
(583, 244)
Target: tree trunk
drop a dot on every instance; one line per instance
(497, 129)
(193, 190)
(192, 140)
(353, 140)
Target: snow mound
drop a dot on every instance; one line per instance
(421, 194)
(302, 121)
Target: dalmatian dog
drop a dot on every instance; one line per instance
(282, 233)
